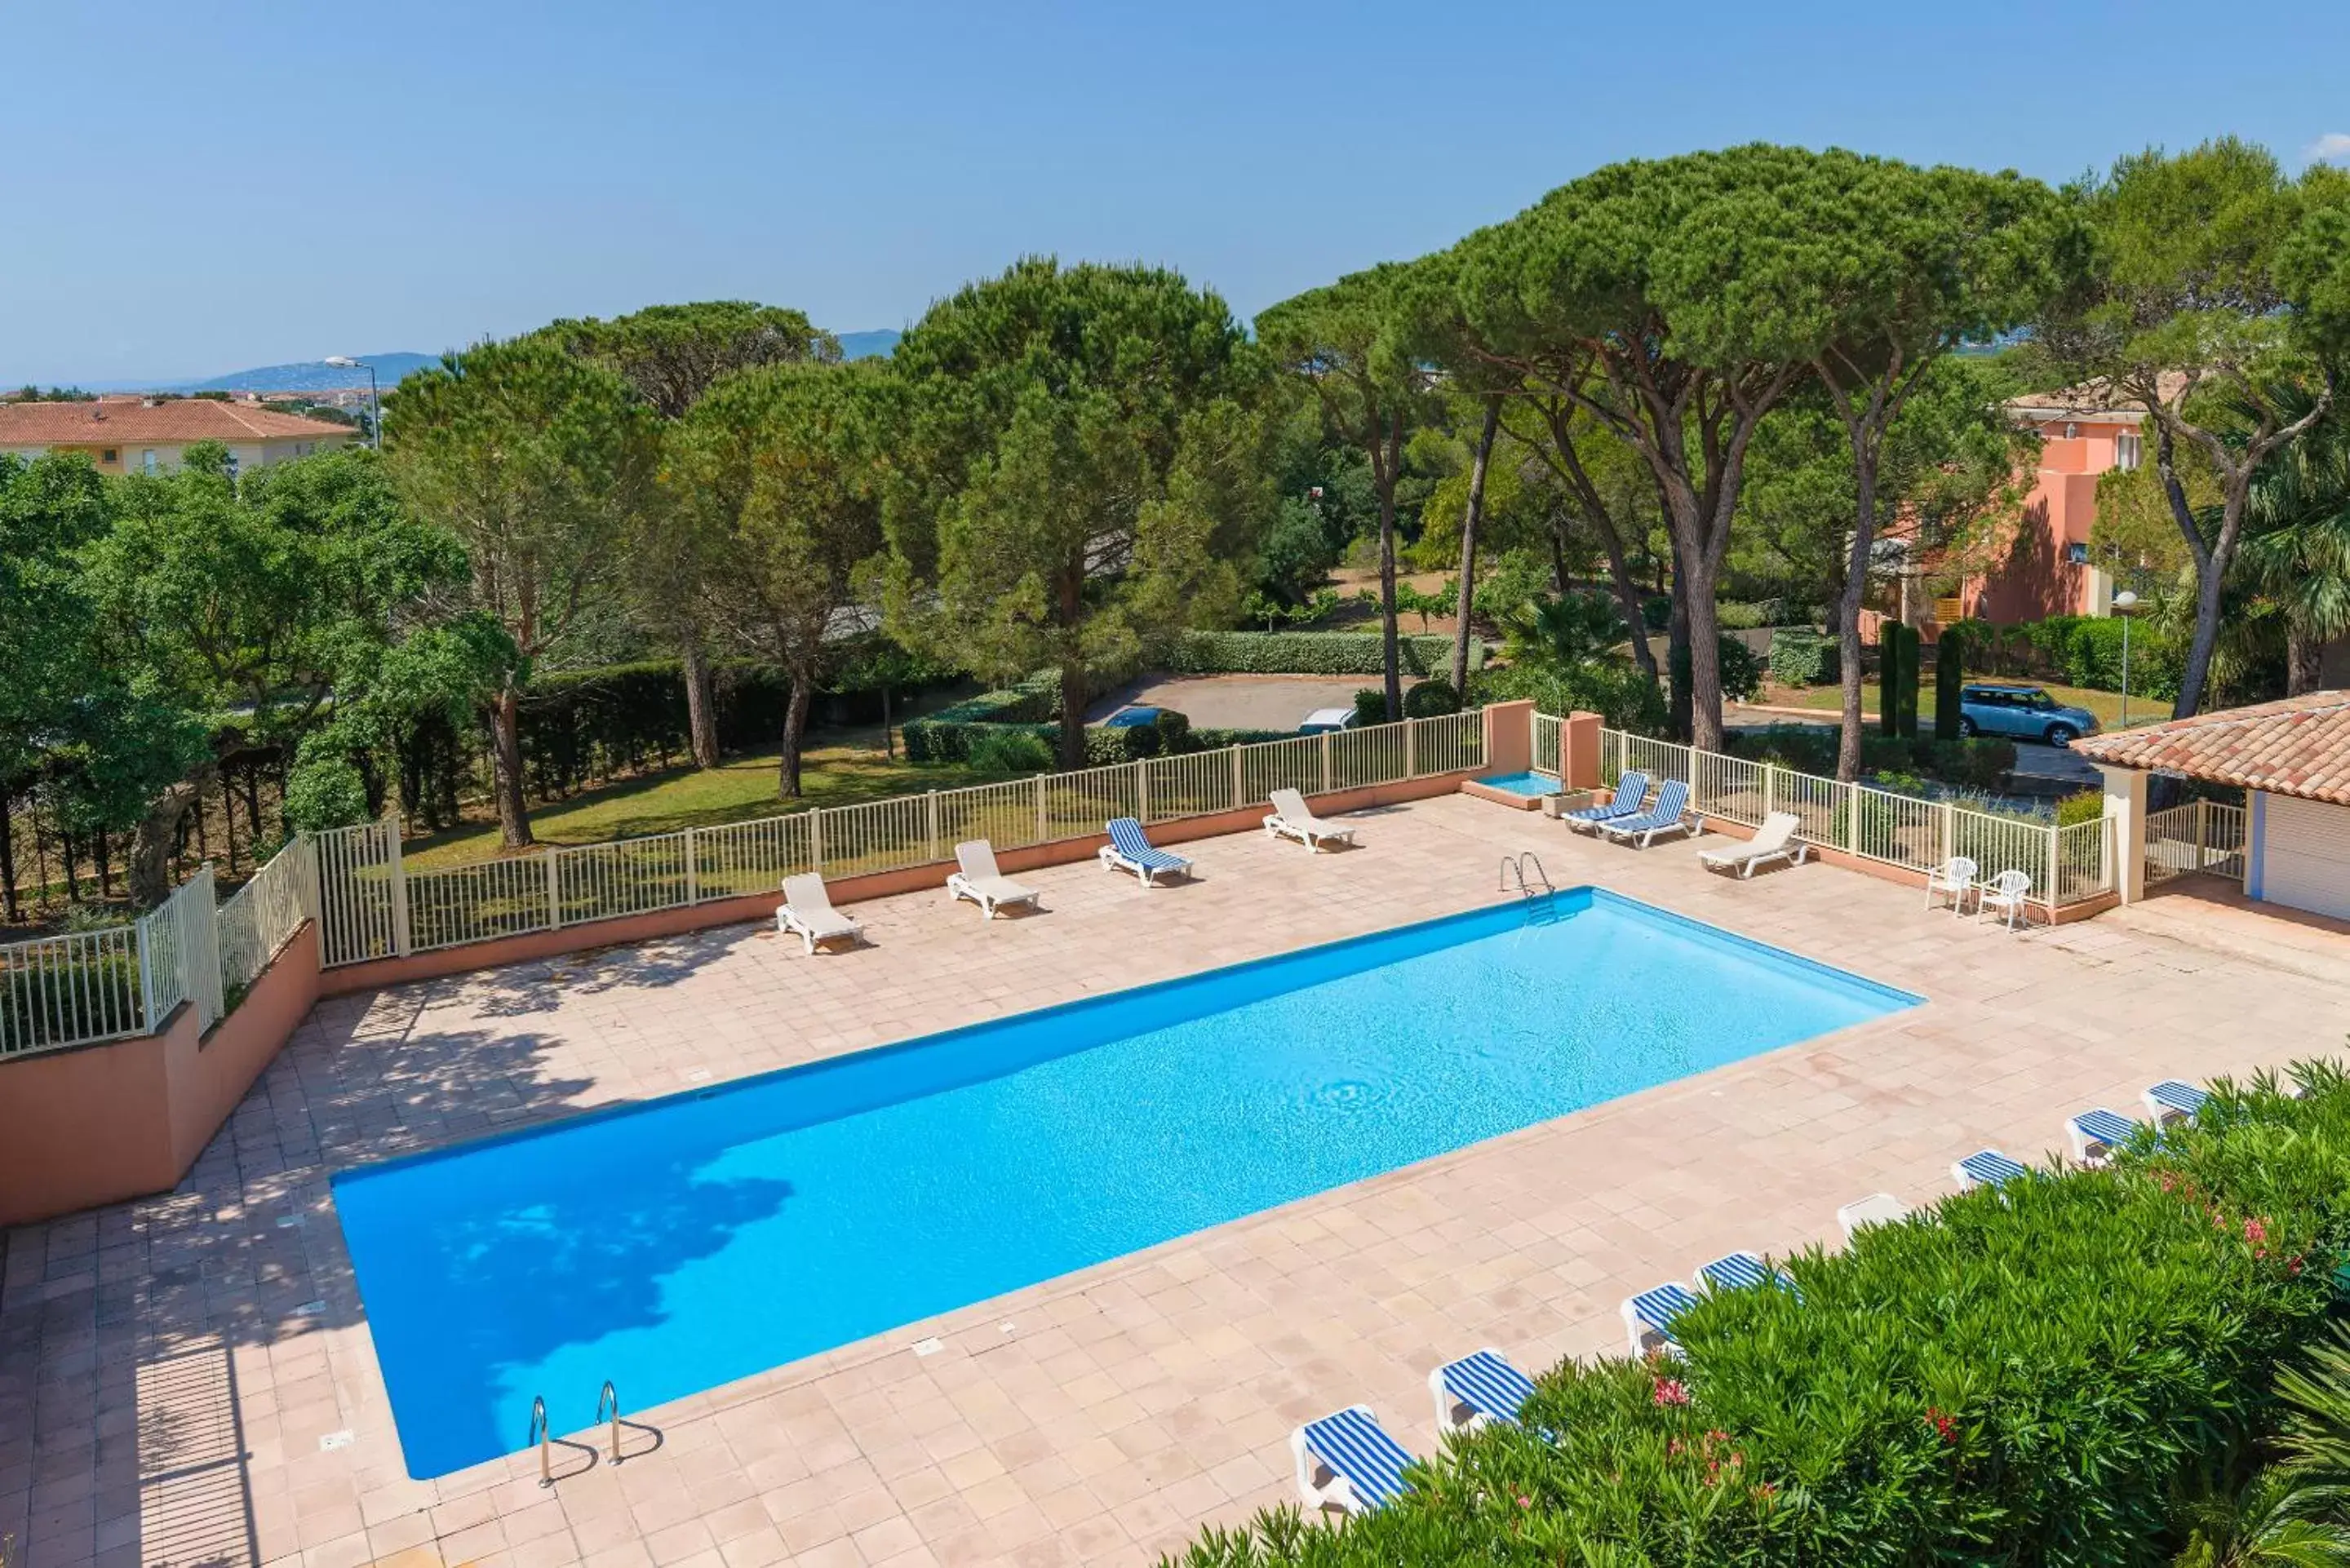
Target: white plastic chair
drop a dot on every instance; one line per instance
(2008, 893)
(1955, 876)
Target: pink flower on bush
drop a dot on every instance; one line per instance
(2255, 1232)
(1944, 1425)
(1670, 1391)
(1524, 1501)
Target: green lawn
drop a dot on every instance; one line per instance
(2105, 705)
(850, 769)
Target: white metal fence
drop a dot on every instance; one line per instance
(125, 980)
(2066, 865)
(371, 905)
(2205, 835)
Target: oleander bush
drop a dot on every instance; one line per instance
(1310, 653)
(2039, 1374)
(1614, 690)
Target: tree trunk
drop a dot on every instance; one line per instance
(7, 858)
(1677, 654)
(505, 768)
(1387, 649)
(701, 703)
(1849, 602)
(1705, 656)
(1073, 711)
(253, 803)
(1627, 601)
(1468, 520)
(2303, 658)
(795, 713)
(159, 833)
(888, 735)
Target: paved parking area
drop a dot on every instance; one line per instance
(1239, 701)
(190, 1380)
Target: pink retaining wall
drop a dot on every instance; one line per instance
(100, 1124)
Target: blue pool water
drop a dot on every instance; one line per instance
(1522, 783)
(680, 1244)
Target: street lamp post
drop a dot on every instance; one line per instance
(2124, 603)
(375, 404)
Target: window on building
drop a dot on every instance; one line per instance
(2130, 450)
(2070, 430)
(110, 456)
(2076, 554)
(147, 459)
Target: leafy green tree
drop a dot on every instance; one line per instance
(1359, 346)
(672, 354)
(783, 467)
(1676, 303)
(2296, 548)
(1083, 464)
(2213, 272)
(534, 460)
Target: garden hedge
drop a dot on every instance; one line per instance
(1981, 762)
(1311, 653)
(2082, 650)
(1802, 656)
(2035, 1375)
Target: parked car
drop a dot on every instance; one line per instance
(1131, 718)
(1323, 719)
(2021, 712)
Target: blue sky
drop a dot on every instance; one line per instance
(189, 189)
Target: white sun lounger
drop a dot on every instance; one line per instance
(1345, 1460)
(2098, 1134)
(1477, 1389)
(1877, 1209)
(2171, 1101)
(1128, 850)
(808, 911)
(982, 883)
(1649, 1317)
(1986, 1168)
(1292, 818)
(1775, 840)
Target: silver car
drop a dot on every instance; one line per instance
(2021, 713)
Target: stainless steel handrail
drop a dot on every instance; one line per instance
(610, 1397)
(544, 1438)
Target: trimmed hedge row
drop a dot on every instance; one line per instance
(931, 740)
(1802, 656)
(2081, 650)
(1981, 762)
(1312, 653)
(2035, 1375)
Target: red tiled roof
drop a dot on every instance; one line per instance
(2300, 746)
(126, 421)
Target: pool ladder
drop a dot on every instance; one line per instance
(608, 1408)
(1513, 873)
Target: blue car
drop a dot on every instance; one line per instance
(2021, 713)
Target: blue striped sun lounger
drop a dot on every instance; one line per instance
(1649, 1317)
(1127, 850)
(1630, 793)
(1740, 1272)
(2098, 1134)
(1364, 1466)
(1477, 1389)
(2172, 1101)
(1987, 1167)
(1670, 815)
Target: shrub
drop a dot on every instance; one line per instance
(1622, 697)
(1745, 615)
(1802, 656)
(1740, 669)
(1430, 699)
(1656, 611)
(1009, 749)
(324, 791)
(1310, 653)
(2087, 805)
(2083, 650)
(1370, 706)
(1978, 764)
(2030, 1375)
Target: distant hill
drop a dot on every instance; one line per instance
(867, 344)
(312, 377)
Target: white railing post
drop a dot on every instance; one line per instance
(554, 893)
(692, 867)
(2055, 834)
(930, 821)
(1770, 790)
(1040, 809)
(1141, 790)
(1950, 833)
(1325, 762)
(1238, 800)
(815, 839)
(401, 938)
(1410, 763)
(2203, 831)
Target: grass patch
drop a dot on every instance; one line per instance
(848, 771)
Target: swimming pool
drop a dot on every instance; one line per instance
(680, 1244)
(1528, 784)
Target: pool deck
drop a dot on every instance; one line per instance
(189, 1380)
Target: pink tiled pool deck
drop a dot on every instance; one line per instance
(189, 1380)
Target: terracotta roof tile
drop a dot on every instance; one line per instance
(128, 421)
(2300, 746)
